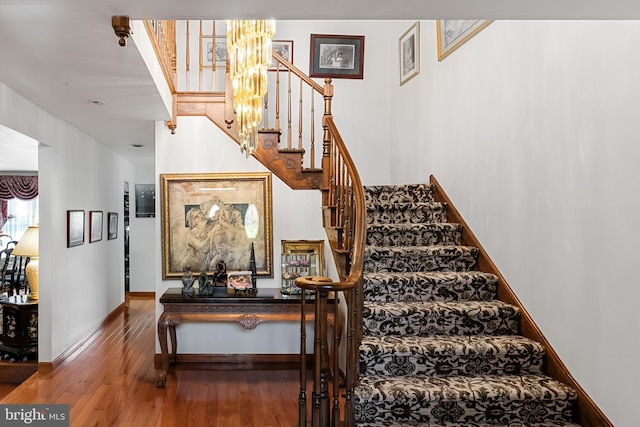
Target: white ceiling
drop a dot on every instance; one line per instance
(63, 54)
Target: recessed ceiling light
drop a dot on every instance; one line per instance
(137, 145)
(96, 101)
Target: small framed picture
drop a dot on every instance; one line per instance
(285, 49)
(239, 280)
(112, 232)
(145, 200)
(75, 228)
(95, 221)
(214, 49)
(337, 56)
(409, 48)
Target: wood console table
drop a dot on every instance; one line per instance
(246, 310)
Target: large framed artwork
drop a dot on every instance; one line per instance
(207, 218)
(409, 48)
(454, 33)
(337, 56)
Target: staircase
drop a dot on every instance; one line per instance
(438, 348)
(434, 336)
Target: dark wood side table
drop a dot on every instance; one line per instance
(246, 310)
(19, 328)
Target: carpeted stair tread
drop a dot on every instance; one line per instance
(422, 234)
(469, 424)
(450, 355)
(420, 258)
(430, 286)
(481, 399)
(440, 318)
(376, 194)
(413, 213)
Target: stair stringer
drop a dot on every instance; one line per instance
(588, 413)
(285, 164)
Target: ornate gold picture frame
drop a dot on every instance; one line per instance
(211, 217)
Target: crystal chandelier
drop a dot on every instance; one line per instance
(249, 51)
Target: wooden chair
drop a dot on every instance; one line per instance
(6, 262)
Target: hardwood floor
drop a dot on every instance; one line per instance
(109, 381)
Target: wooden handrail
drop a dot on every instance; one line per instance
(342, 203)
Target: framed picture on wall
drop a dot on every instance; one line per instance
(409, 49)
(75, 228)
(112, 232)
(285, 49)
(95, 222)
(454, 33)
(337, 56)
(145, 201)
(207, 218)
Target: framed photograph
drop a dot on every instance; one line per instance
(454, 33)
(112, 232)
(75, 228)
(239, 280)
(214, 49)
(145, 200)
(409, 48)
(95, 221)
(285, 49)
(208, 218)
(337, 56)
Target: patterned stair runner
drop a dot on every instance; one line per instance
(438, 348)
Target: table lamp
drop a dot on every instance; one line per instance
(28, 246)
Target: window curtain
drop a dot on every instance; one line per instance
(22, 187)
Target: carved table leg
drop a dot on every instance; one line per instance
(166, 322)
(174, 345)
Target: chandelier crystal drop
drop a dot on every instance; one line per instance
(249, 52)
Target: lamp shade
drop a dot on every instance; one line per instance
(28, 244)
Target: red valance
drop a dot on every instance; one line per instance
(22, 187)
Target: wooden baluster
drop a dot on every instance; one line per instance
(336, 365)
(313, 131)
(320, 415)
(302, 400)
(278, 100)
(187, 59)
(201, 60)
(300, 119)
(289, 142)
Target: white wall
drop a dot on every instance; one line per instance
(200, 147)
(142, 237)
(79, 286)
(532, 128)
